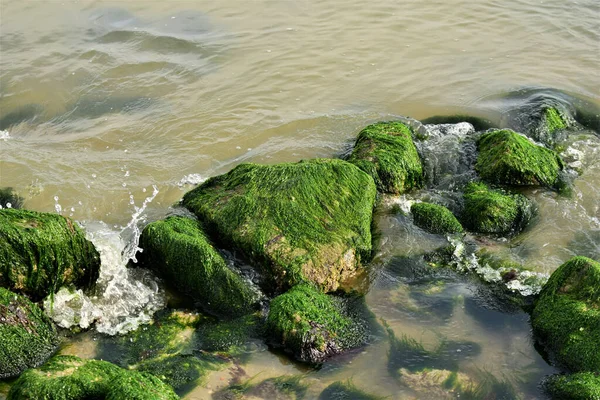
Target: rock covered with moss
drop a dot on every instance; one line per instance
(493, 211)
(566, 317)
(346, 390)
(435, 218)
(312, 325)
(285, 387)
(508, 158)
(580, 386)
(27, 336)
(386, 151)
(41, 252)
(230, 337)
(180, 252)
(72, 378)
(306, 221)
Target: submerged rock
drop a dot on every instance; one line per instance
(580, 386)
(346, 390)
(307, 221)
(312, 325)
(10, 199)
(435, 218)
(285, 387)
(40, 253)
(566, 317)
(508, 158)
(230, 337)
(386, 151)
(494, 211)
(27, 336)
(179, 251)
(72, 378)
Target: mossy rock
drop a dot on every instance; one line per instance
(494, 211)
(386, 151)
(139, 386)
(40, 253)
(27, 336)
(307, 221)
(230, 337)
(566, 317)
(312, 325)
(580, 386)
(10, 199)
(285, 387)
(508, 158)
(436, 383)
(180, 252)
(346, 391)
(435, 218)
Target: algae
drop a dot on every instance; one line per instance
(346, 391)
(435, 218)
(179, 251)
(303, 222)
(140, 386)
(27, 336)
(10, 199)
(386, 151)
(40, 253)
(580, 386)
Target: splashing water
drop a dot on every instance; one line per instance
(4, 135)
(123, 298)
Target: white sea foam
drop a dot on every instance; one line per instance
(4, 135)
(191, 179)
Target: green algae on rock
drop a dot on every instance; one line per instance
(285, 387)
(139, 386)
(179, 251)
(386, 151)
(346, 391)
(435, 218)
(306, 221)
(506, 157)
(230, 337)
(27, 336)
(41, 252)
(493, 211)
(579, 386)
(312, 325)
(566, 317)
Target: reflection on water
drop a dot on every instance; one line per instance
(101, 100)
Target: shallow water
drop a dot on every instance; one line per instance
(101, 101)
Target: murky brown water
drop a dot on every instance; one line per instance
(101, 100)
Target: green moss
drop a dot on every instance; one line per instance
(435, 218)
(230, 337)
(139, 386)
(312, 325)
(494, 211)
(9, 197)
(580, 386)
(27, 336)
(346, 391)
(566, 317)
(505, 157)
(386, 151)
(553, 120)
(179, 251)
(308, 221)
(41, 252)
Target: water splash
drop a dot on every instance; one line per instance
(123, 298)
(4, 135)
(191, 179)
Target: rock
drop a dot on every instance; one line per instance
(40, 253)
(494, 211)
(27, 336)
(179, 251)
(437, 383)
(508, 158)
(307, 221)
(580, 386)
(566, 317)
(435, 218)
(230, 337)
(10, 199)
(312, 325)
(285, 387)
(346, 390)
(72, 378)
(386, 151)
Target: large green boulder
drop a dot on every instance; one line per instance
(566, 317)
(72, 378)
(306, 221)
(27, 336)
(180, 252)
(386, 151)
(579, 386)
(312, 325)
(435, 218)
(506, 157)
(40, 253)
(495, 211)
